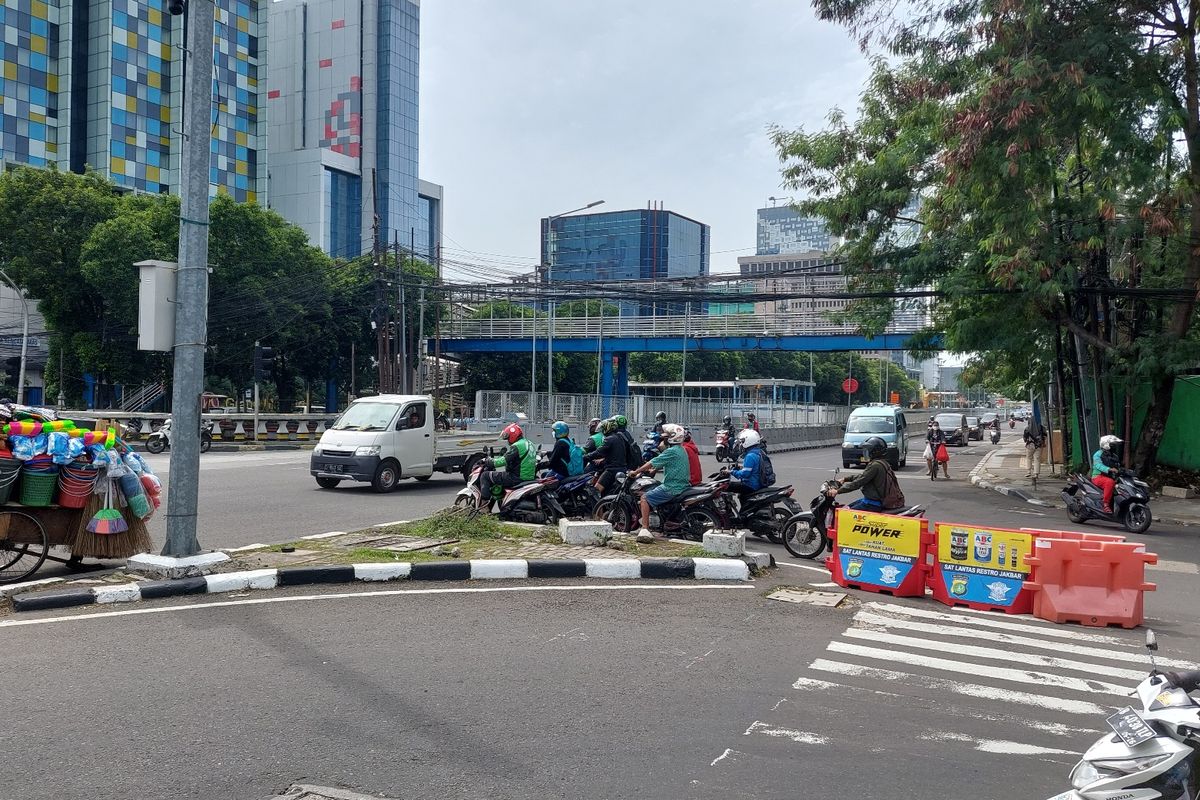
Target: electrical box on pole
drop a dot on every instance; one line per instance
(156, 305)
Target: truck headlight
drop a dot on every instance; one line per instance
(369, 450)
(317, 450)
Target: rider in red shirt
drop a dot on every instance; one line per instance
(695, 475)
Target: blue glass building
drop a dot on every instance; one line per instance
(642, 244)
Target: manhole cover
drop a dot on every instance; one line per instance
(829, 599)
(306, 792)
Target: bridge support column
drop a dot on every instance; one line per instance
(606, 384)
(622, 375)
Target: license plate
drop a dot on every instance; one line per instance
(1129, 725)
(862, 459)
(334, 468)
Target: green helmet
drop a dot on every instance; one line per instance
(608, 426)
(621, 421)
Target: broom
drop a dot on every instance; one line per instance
(127, 535)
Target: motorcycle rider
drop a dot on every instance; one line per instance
(727, 425)
(660, 419)
(673, 461)
(560, 457)
(878, 483)
(595, 437)
(1105, 463)
(751, 422)
(695, 474)
(612, 455)
(749, 476)
(634, 453)
(935, 438)
(516, 465)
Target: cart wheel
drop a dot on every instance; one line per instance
(23, 548)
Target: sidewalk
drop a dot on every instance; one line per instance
(1003, 471)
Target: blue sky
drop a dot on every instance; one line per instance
(536, 107)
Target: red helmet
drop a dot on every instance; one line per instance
(512, 433)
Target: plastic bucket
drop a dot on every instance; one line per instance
(10, 470)
(75, 484)
(37, 487)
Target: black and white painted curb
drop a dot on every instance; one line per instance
(977, 479)
(718, 569)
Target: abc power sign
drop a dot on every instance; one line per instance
(877, 548)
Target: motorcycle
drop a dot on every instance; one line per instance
(995, 437)
(764, 513)
(1130, 506)
(721, 449)
(160, 440)
(806, 535)
(532, 501)
(689, 514)
(650, 444)
(577, 495)
(1155, 750)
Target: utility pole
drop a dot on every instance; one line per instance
(191, 313)
(379, 318)
(24, 335)
(402, 386)
(420, 348)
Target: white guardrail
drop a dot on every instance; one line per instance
(795, 324)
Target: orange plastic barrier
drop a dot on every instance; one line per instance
(981, 567)
(1078, 536)
(880, 553)
(1092, 582)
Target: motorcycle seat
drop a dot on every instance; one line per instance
(763, 494)
(692, 492)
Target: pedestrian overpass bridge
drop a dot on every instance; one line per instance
(613, 338)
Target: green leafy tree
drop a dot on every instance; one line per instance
(1044, 142)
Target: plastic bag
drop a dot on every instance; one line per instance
(928, 451)
(58, 445)
(22, 447)
(943, 455)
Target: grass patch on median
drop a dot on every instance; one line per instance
(455, 524)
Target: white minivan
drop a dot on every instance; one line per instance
(385, 438)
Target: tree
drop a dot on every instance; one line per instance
(1042, 140)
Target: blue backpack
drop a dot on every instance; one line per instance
(575, 460)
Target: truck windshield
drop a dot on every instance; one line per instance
(367, 417)
(870, 425)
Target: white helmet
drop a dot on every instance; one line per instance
(675, 433)
(1108, 442)
(749, 438)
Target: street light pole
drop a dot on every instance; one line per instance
(191, 311)
(24, 335)
(550, 253)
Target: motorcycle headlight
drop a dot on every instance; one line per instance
(368, 450)
(1128, 766)
(1084, 774)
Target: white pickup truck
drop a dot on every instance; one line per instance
(385, 438)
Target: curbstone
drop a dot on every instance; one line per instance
(721, 569)
(46, 600)
(441, 571)
(584, 532)
(300, 576)
(725, 544)
(668, 568)
(498, 568)
(757, 561)
(613, 568)
(382, 572)
(554, 568)
(153, 590)
(240, 581)
(123, 593)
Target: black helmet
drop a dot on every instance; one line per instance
(660, 416)
(593, 425)
(875, 447)
(728, 420)
(750, 415)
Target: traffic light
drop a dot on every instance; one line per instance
(264, 358)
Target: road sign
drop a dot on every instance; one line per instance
(850, 385)
(895, 398)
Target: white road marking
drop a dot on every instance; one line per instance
(254, 546)
(995, 622)
(958, 648)
(1029, 513)
(329, 535)
(803, 566)
(998, 745)
(1065, 705)
(390, 524)
(801, 737)
(1186, 567)
(782, 700)
(962, 631)
(724, 755)
(1045, 679)
(825, 585)
(133, 612)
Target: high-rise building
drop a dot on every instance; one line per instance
(642, 244)
(429, 237)
(781, 229)
(98, 84)
(343, 104)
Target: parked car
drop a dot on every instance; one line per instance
(955, 427)
(974, 428)
(885, 421)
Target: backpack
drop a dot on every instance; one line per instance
(574, 459)
(766, 472)
(892, 496)
(633, 456)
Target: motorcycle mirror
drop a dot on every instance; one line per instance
(1151, 641)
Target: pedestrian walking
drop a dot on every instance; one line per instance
(936, 452)
(1035, 440)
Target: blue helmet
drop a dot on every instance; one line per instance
(561, 430)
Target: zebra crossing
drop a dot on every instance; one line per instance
(1047, 688)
